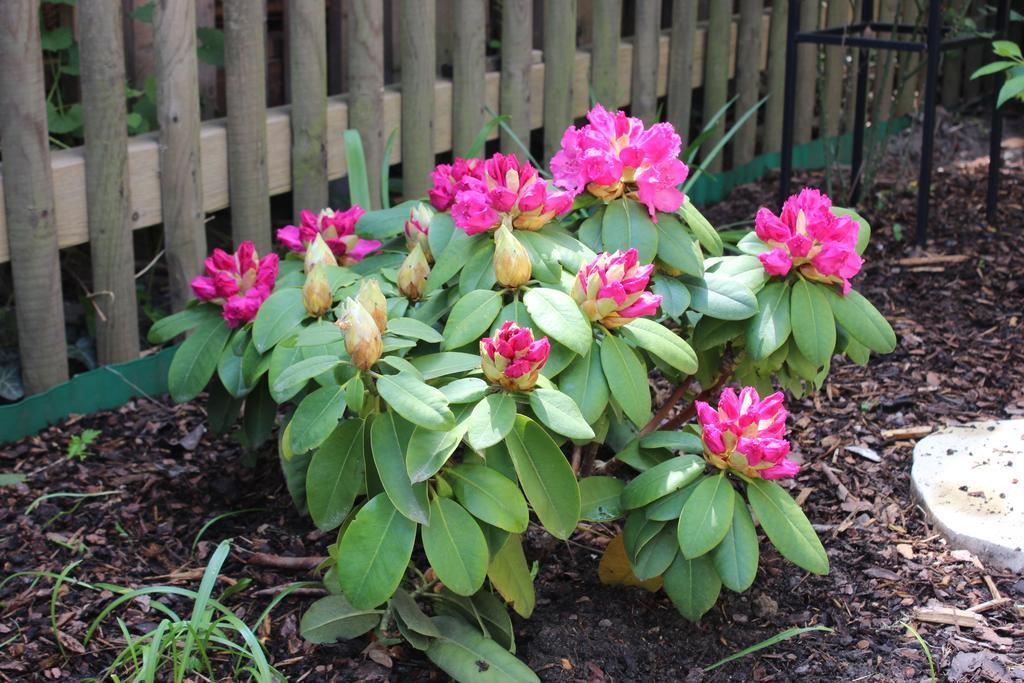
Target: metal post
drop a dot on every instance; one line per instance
(789, 99)
(995, 137)
(860, 110)
(924, 180)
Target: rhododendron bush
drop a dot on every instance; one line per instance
(445, 369)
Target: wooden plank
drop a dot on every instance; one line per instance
(108, 203)
(771, 136)
(643, 89)
(838, 14)
(468, 74)
(308, 64)
(851, 70)
(885, 68)
(181, 182)
(29, 205)
(748, 78)
(806, 76)
(952, 62)
(910, 66)
(419, 71)
(143, 150)
(516, 48)
(680, 66)
(559, 63)
(245, 78)
(604, 67)
(209, 90)
(366, 84)
(716, 75)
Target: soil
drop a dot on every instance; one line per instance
(158, 479)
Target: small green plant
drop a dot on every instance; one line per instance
(1012, 64)
(768, 642)
(78, 446)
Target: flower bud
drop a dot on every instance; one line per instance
(612, 289)
(747, 434)
(512, 359)
(417, 228)
(318, 254)
(412, 276)
(372, 299)
(316, 292)
(511, 261)
(362, 336)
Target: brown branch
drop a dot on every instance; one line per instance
(587, 466)
(666, 407)
(683, 416)
(283, 562)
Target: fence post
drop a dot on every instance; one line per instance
(181, 183)
(468, 73)
(419, 73)
(604, 57)
(104, 114)
(209, 90)
(806, 75)
(748, 78)
(28, 197)
(643, 99)
(307, 27)
(885, 71)
(680, 66)
(837, 15)
(245, 87)
(910, 65)
(516, 56)
(559, 60)
(366, 85)
(716, 73)
(771, 139)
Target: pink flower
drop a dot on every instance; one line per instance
(338, 228)
(512, 358)
(747, 434)
(809, 237)
(506, 191)
(446, 179)
(238, 282)
(612, 289)
(613, 155)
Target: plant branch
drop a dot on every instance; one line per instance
(666, 408)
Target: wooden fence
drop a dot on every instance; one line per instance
(555, 55)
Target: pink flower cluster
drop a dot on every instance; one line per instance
(338, 229)
(447, 178)
(512, 358)
(238, 282)
(809, 237)
(614, 155)
(612, 289)
(506, 191)
(747, 434)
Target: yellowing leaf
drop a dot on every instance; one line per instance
(614, 569)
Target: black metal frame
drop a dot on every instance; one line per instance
(933, 45)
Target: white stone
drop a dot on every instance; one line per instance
(970, 482)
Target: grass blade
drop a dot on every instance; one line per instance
(385, 172)
(924, 646)
(218, 518)
(481, 138)
(523, 146)
(777, 638)
(358, 180)
(721, 143)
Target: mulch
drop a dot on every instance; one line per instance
(960, 358)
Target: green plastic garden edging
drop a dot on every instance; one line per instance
(112, 386)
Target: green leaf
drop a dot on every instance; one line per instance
(661, 480)
(662, 342)
(294, 377)
(707, 516)
(414, 329)
(316, 417)
(355, 394)
(590, 230)
(770, 328)
(777, 638)
(786, 526)
(455, 547)
(668, 508)
(511, 577)
(743, 268)
(55, 40)
(1006, 48)
(676, 248)
(465, 390)
(412, 615)
(436, 365)
(629, 386)
(560, 413)
(384, 223)
(388, 438)
(211, 45)
(196, 360)
(814, 326)
(450, 261)
(229, 366)
(260, 413)
(332, 618)
(546, 477)
(358, 180)
(626, 225)
(600, 498)
(704, 231)
(335, 475)
(374, 552)
(736, 556)
(558, 316)
(721, 297)
(655, 557)
(675, 297)
(416, 401)
(319, 333)
(167, 328)
(862, 321)
(491, 420)
(278, 317)
(692, 585)
(584, 382)
(466, 655)
(471, 318)
(675, 441)
(281, 358)
(490, 496)
(478, 273)
(428, 451)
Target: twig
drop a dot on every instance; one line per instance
(283, 562)
(667, 407)
(844, 493)
(988, 604)
(587, 466)
(577, 453)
